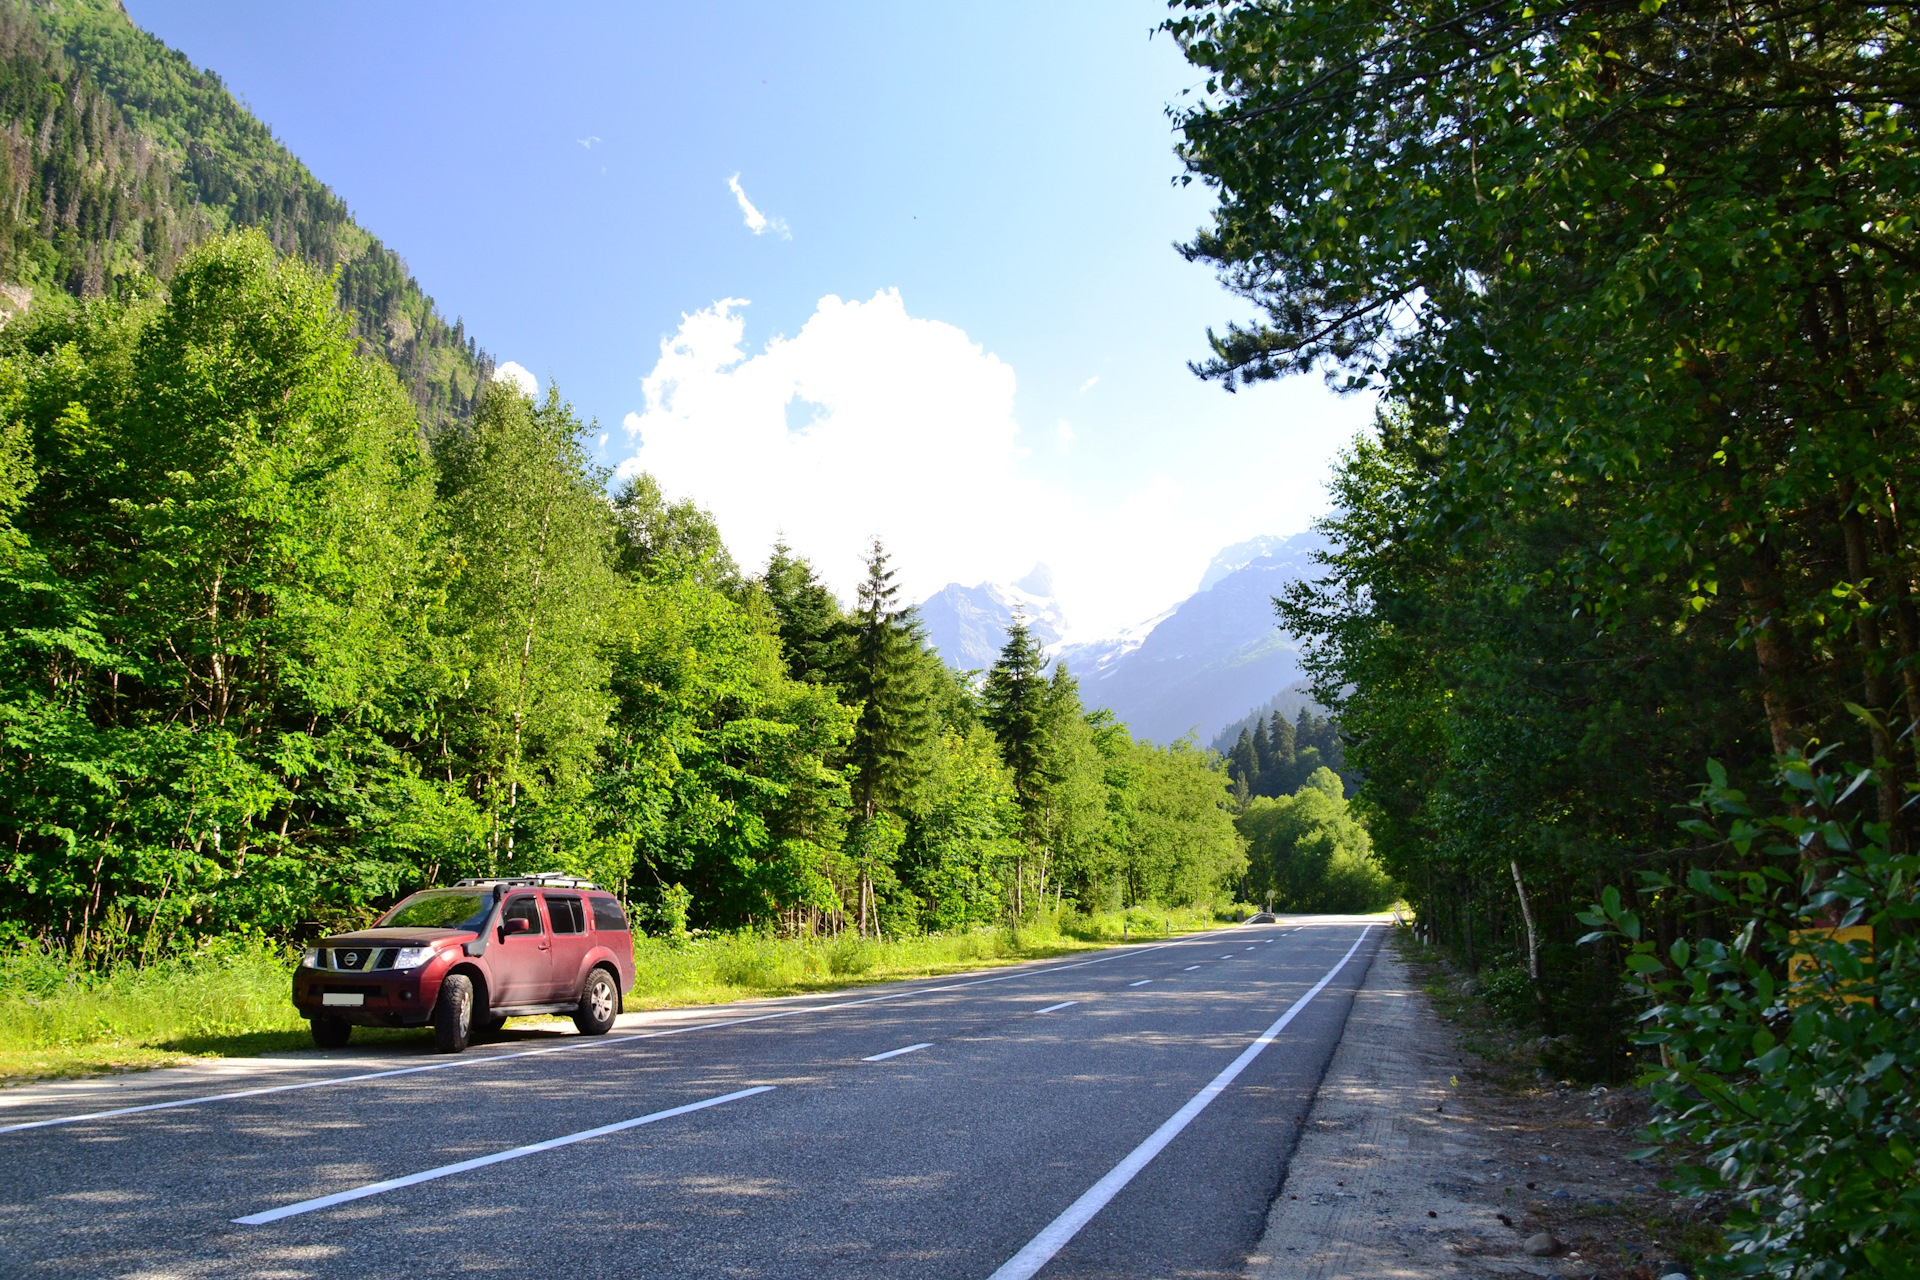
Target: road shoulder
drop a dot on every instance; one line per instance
(1402, 1172)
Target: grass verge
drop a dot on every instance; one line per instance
(231, 998)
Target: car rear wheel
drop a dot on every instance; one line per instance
(331, 1033)
(599, 1004)
(453, 1014)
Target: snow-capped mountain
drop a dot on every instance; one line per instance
(1194, 669)
(968, 625)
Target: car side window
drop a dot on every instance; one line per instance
(526, 907)
(607, 915)
(566, 914)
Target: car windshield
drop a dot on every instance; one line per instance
(440, 909)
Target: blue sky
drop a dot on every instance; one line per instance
(984, 188)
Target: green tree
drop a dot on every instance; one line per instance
(215, 594)
(655, 537)
(1017, 704)
(531, 538)
(813, 628)
(885, 682)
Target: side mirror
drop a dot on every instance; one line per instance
(519, 924)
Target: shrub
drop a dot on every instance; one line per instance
(1789, 1055)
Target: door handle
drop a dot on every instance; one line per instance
(545, 946)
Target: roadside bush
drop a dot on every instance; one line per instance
(1790, 1054)
(233, 986)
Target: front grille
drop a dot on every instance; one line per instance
(360, 959)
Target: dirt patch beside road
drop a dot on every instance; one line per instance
(1420, 1158)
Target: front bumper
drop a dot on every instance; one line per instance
(378, 999)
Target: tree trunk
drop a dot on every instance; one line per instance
(1540, 1004)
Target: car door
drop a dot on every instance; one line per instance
(521, 963)
(571, 941)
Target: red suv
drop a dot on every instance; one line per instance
(468, 958)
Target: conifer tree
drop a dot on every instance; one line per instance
(885, 686)
(813, 630)
(1017, 702)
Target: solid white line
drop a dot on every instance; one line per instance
(1190, 968)
(894, 1053)
(1040, 1249)
(598, 1042)
(446, 1170)
(1053, 1008)
(1143, 982)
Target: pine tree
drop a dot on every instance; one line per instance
(1243, 764)
(1018, 700)
(813, 631)
(1281, 740)
(884, 683)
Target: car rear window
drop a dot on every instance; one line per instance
(566, 914)
(607, 915)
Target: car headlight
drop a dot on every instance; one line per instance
(311, 960)
(412, 957)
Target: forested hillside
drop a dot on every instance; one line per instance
(1619, 615)
(119, 156)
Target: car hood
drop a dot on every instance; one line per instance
(395, 937)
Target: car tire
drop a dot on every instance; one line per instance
(331, 1033)
(599, 1004)
(453, 1014)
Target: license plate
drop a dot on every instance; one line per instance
(335, 997)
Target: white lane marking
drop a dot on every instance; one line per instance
(1055, 1008)
(894, 1053)
(1228, 956)
(1190, 968)
(597, 1042)
(447, 1170)
(1143, 982)
(1040, 1250)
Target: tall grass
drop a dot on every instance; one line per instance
(234, 996)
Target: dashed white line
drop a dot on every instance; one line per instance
(894, 1053)
(1040, 1250)
(1055, 1008)
(446, 1170)
(1143, 982)
(1190, 968)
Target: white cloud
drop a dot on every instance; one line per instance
(1088, 384)
(519, 377)
(588, 142)
(757, 222)
(1063, 432)
(870, 420)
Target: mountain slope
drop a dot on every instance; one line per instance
(967, 625)
(1205, 662)
(117, 154)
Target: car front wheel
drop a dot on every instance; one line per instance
(453, 1013)
(599, 1004)
(331, 1033)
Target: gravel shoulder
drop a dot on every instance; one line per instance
(1421, 1159)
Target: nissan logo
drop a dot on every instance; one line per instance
(352, 959)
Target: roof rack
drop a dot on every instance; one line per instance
(538, 880)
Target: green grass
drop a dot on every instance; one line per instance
(232, 998)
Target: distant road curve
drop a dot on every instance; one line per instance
(1126, 1113)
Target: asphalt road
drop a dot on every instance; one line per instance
(1126, 1113)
